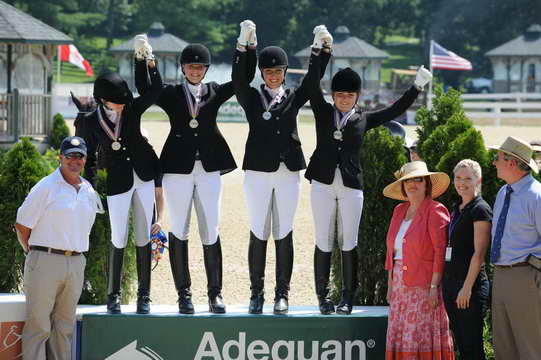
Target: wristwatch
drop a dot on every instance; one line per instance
(432, 286)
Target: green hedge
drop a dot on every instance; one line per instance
(20, 169)
(59, 132)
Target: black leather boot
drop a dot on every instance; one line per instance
(322, 271)
(349, 281)
(116, 258)
(213, 266)
(143, 255)
(257, 257)
(284, 268)
(178, 257)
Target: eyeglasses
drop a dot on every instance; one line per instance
(504, 157)
(415, 179)
(74, 155)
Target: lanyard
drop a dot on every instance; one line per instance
(106, 127)
(193, 106)
(276, 99)
(339, 120)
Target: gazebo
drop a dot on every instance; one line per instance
(517, 63)
(27, 47)
(166, 47)
(350, 51)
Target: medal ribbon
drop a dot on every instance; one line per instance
(106, 127)
(339, 120)
(276, 99)
(194, 108)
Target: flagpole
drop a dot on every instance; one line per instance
(429, 100)
(58, 62)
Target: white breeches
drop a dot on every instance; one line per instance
(140, 198)
(337, 213)
(272, 198)
(204, 190)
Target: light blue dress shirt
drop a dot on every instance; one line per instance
(522, 233)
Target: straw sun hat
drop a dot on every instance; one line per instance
(440, 181)
(519, 149)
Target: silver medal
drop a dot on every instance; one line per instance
(115, 145)
(337, 134)
(194, 123)
(267, 115)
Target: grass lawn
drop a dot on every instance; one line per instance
(404, 52)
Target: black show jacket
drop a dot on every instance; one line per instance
(344, 154)
(135, 153)
(178, 155)
(276, 140)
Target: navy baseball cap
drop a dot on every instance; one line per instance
(73, 144)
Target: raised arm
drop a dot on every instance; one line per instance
(321, 48)
(398, 107)
(244, 63)
(150, 97)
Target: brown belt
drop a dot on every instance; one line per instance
(524, 263)
(54, 251)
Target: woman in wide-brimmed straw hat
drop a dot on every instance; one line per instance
(418, 324)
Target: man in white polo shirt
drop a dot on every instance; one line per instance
(53, 226)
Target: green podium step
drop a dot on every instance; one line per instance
(302, 334)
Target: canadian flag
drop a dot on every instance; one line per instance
(69, 53)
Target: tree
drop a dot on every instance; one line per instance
(21, 168)
(59, 132)
(447, 136)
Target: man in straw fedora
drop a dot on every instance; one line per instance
(418, 324)
(516, 254)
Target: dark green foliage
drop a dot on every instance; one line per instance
(21, 168)
(59, 132)
(382, 154)
(95, 286)
(447, 136)
(51, 156)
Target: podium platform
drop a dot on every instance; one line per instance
(165, 334)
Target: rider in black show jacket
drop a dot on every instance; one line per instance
(179, 151)
(135, 154)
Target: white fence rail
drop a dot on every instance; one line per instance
(503, 106)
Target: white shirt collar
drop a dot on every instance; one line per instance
(196, 89)
(274, 92)
(111, 115)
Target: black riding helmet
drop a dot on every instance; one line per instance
(272, 57)
(346, 80)
(195, 54)
(110, 86)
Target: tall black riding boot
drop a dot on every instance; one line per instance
(143, 255)
(284, 268)
(116, 258)
(349, 281)
(213, 266)
(178, 257)
(257, 257)
(322, 271)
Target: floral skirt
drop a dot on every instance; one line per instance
(416, 330)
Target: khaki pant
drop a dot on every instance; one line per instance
(516, 313)
(52, 285)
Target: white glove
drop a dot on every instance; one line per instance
(246, 27)
(423, 77)
(253, 38)
(142, 49)
(320, 32)
(327, 39)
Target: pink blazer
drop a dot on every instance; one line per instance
(423, 247)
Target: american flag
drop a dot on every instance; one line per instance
(447, 60)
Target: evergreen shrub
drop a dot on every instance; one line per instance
(59, 132)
